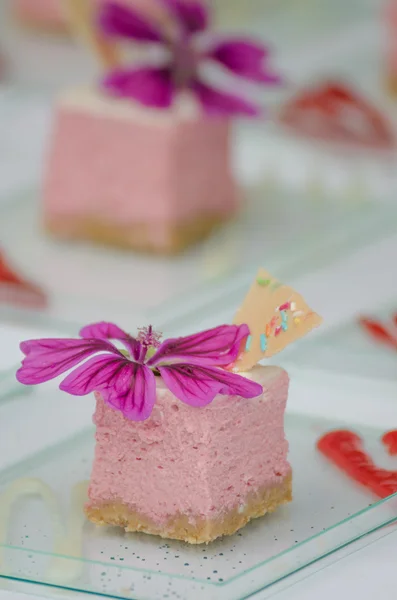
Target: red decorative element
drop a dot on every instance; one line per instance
(334, 113)
(389, 439)
(379, 332)
(285, 306)
(344, 449)
(16, 291)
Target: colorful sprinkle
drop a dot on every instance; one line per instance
(263, 282)
(293, 306)
(277, 331)
(248, 343)
(284, 306)
(268, 330)
(297, 320)
(263, 342)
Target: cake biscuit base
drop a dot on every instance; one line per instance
(138, 236)
(202, 531)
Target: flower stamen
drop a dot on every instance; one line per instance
(149, 338)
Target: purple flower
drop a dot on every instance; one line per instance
(157, 86)
(193, 367)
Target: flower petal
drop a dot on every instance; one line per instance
(191, 14)
(198, 386)
(150, 86)
(221, 104)
(244, 58)
(98, 372)
(124, 385)
(109, 331)
(122, 21)
(213, 347)
(133, 392)
(48, 358)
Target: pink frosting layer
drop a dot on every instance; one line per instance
(193, 461)
(115, 161)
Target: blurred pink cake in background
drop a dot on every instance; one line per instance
(144, 159)
(134, 177)
(187, 473)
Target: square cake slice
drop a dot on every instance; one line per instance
(193, 474)
(154, 181)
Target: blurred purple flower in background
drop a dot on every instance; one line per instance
(157, 86)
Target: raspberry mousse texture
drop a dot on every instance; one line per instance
(193, 474)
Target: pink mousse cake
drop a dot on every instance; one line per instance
(122, 174)
(144, 159)
(190, 441)
(191, 474)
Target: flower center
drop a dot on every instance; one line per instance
(149, 338)
(184, 61)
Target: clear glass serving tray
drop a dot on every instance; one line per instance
(46, 448)
(349, 349)
(87, 283)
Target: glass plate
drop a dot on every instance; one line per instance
(86, 283)
(44, 538)
(350, 350)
